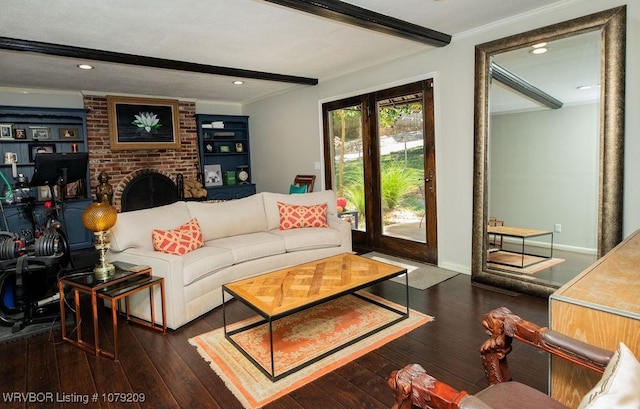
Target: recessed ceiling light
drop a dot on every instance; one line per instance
(539, 48)
(85, 66)
(238, 82)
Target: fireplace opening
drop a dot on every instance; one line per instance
(150, 189)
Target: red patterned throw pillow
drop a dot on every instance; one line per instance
(296, 216)
(180, 240)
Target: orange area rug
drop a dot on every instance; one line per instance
(299, 338)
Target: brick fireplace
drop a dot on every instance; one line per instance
(123, 166)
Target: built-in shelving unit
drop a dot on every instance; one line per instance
(24, 132)
(225, 156)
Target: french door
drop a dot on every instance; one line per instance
(380, 161)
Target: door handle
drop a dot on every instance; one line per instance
(429, 179)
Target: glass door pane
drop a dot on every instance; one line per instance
(401, 165)
(345, 130)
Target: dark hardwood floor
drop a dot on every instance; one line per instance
(560, 274)
(171, 374)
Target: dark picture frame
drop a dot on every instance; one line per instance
(224, 149)
(212, 175)
(69, 134)
(74, 190)
(40, 132)
(239, 147)
(38, 148)
(20, 133)
(143, 123)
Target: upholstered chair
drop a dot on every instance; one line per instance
(305, 182)
(618, 387)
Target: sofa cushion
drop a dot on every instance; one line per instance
(250, 246)
(618, 387)
(133, 229)
(297, 216)
(224, 219)
(178, 241)
(309, 238)
(203, 262)
(271, 204)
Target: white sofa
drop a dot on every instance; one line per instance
(242, 239)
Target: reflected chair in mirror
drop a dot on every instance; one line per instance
(304, 180)
(413, 387)
(495, 240)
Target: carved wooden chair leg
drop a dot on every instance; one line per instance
(413, 386)
(401, 381)
(501, 326)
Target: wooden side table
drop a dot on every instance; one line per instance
(351, 216)
(125, 282)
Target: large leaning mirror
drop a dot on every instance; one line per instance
(548, 164)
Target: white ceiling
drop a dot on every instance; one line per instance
(570, 63)
(246, 34)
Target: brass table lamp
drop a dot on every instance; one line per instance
(98, 218)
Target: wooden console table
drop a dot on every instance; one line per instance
(600, 306)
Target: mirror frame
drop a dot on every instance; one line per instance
(612, 22)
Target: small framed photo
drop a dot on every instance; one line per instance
(40, 132)
(39, 148)
(239, 147)
(225, 149)
(6, 131)
(208, 147)
(20, 133)
(212, 175)
(74, 190)
(69, 133)
(44, 193)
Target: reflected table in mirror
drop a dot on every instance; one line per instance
(521, 234)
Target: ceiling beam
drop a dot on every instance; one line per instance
(350, 14)
(59, 50)
(520, 85)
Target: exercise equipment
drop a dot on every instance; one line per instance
(29, 274)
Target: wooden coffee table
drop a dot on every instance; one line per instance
(284, 292)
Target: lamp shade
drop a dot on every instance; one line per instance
(100, 216)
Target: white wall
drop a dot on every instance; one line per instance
(285, 140)
(218, 108)
(543, 170)
(286, 130)
(63, 99)
(40, 98)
